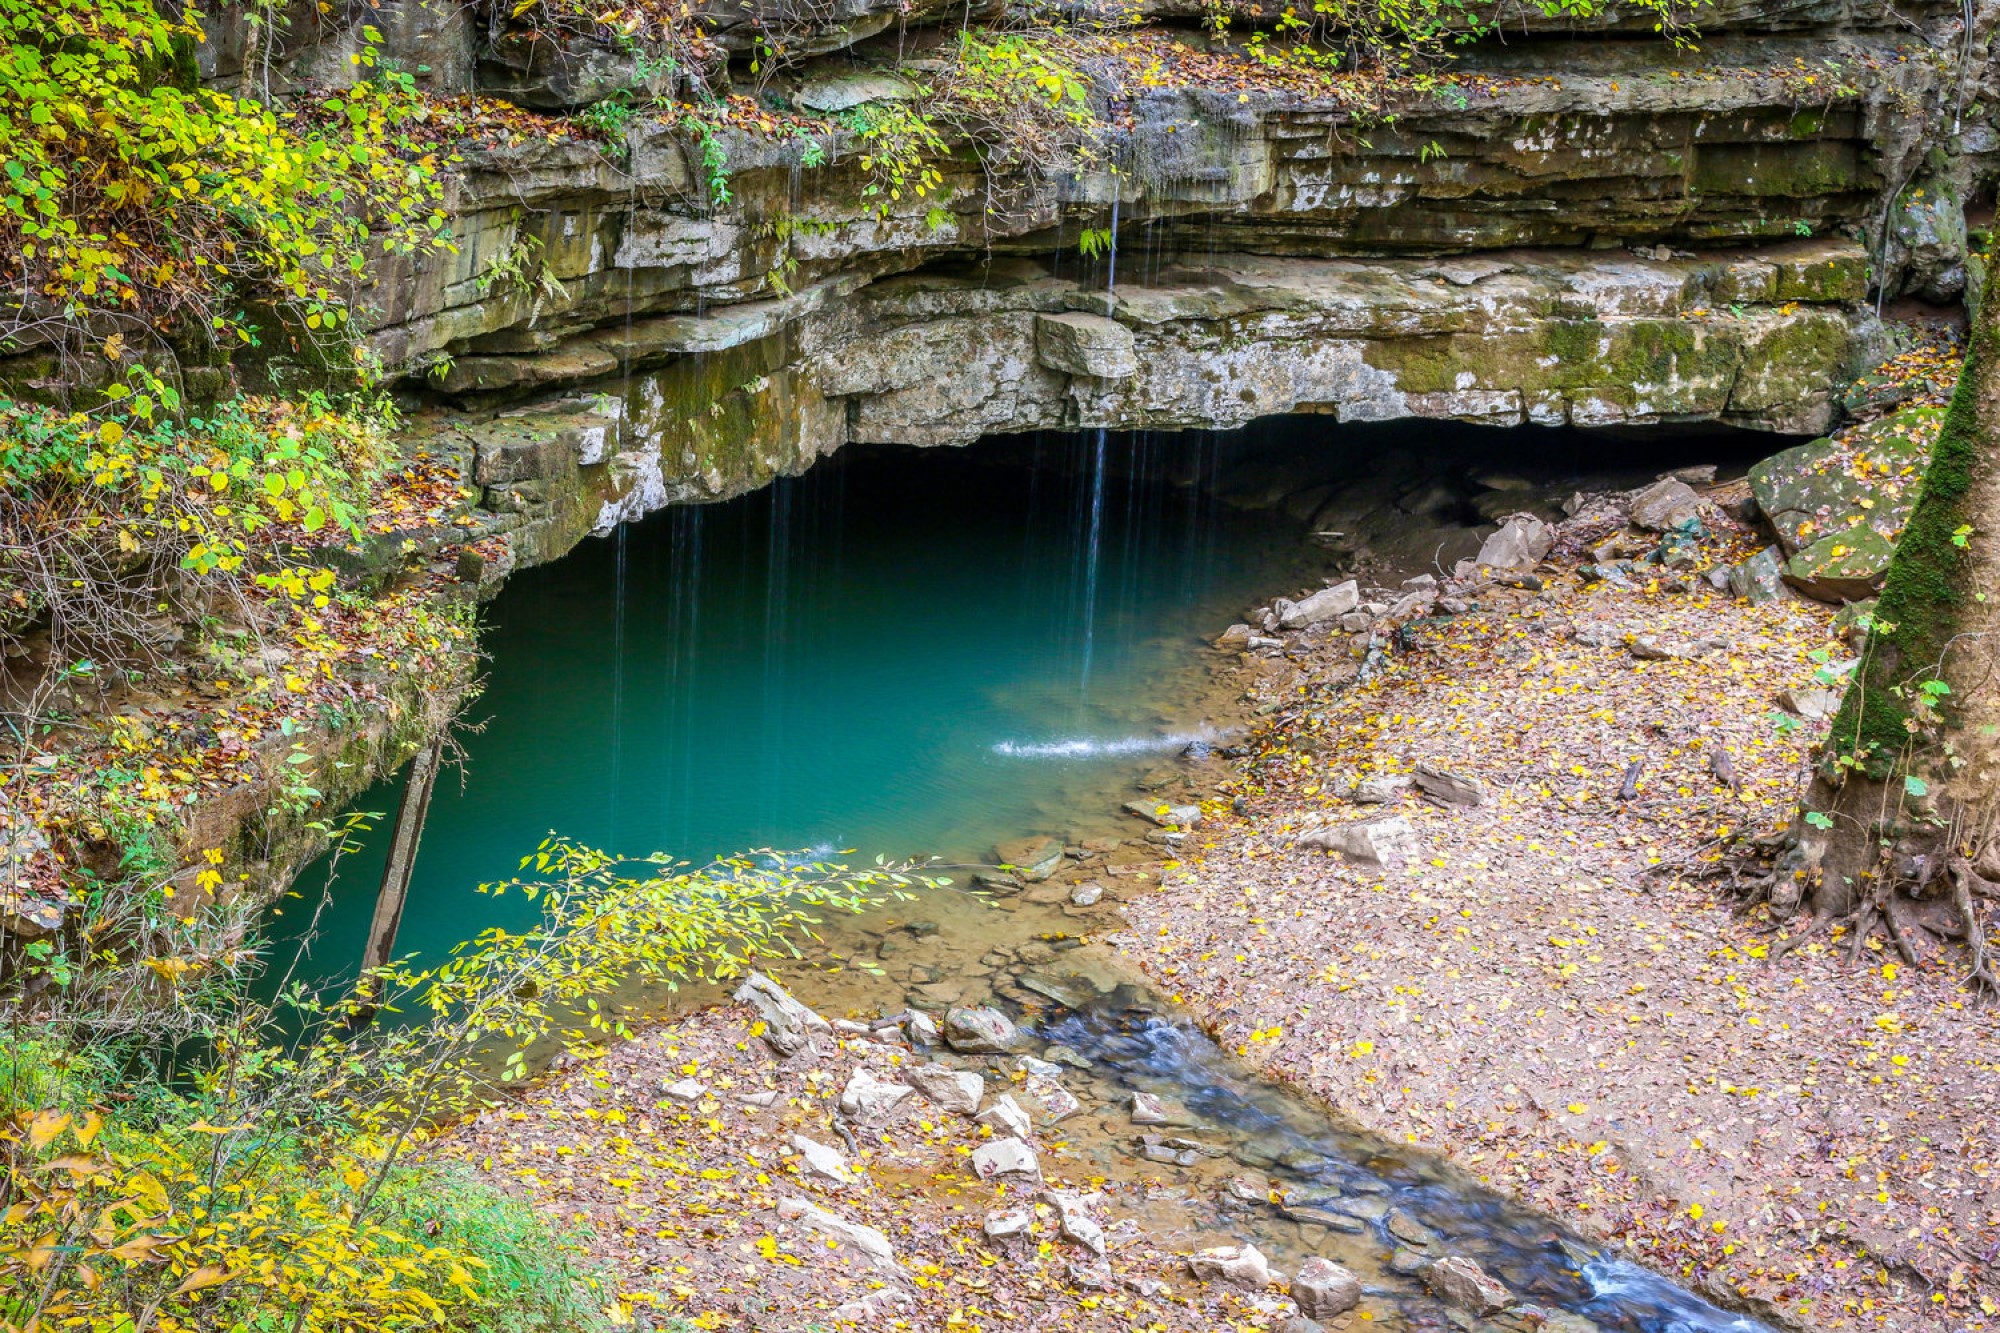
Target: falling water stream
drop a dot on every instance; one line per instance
(895, 655)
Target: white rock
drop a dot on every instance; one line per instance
(687, 1090)
(1007, 1223)
(949, 1089)
(1520, 542)
(1086, 895)
(1238, 1265)
(1389, 841)
(1005, 1157)
(1054, 1100)
(822, 1161)
(869, 1100)
(1379, 790)
(1073, 1216)
(1324, 1289)
(1005, 1117)
(788, 1025)
(1148, 1109)
(1811, 702)
(866, 1239)
(1459, 1282)
(1324, 605)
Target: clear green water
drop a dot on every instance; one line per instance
(888, 655)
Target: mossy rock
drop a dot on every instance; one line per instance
(1842, 566)
(1822, 276)
(1866, 477)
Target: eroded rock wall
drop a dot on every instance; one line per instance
(1585, 228)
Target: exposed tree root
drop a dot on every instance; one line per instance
(1786, 945)
(1963, 878)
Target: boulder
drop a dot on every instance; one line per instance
(1005, 1157)
(1032, 859)
(1665, 505)
(1166, 816)
(1868, 476)
(869, 1242)
(1005, 1117)
(1927, 221)
(1080, 344)
(1238, 1265)
(1846, 566)
(1408, 1229)
(1388, 841)
(1236, 636)
(1759, 578)
(1007, 1223)
(1086, 895)
(949, 1089)
(822, 1162)
(1815, 703)
(788, 1024)
(1325, 605)
(1382, 789)
(1521, 541)
(1323, 1289)
(1074, 1218)
(980, 1031)
(868, 1100)
(1464, 1285)
(1449, 788)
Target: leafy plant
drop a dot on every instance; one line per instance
(272, 1179)
(135, 194)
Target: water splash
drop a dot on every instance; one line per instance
(1087, 747)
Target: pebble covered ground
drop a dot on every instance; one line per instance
(1548, 993)
(676, 1160)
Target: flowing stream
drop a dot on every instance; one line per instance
(924, 653)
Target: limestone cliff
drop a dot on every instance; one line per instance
(1589, 228)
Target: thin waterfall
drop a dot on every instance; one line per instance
(618, 596)
(1094, 543)
(777, 588)
(618, 686)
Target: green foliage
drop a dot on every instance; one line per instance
(1398, 36)
(1094, 241)
(134, 192)
(268, 1182)
(714, 157)
(901, 148)
(522, 268)
(607, 121)
(138, 1201)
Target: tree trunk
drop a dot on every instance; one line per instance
(1897, 830)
